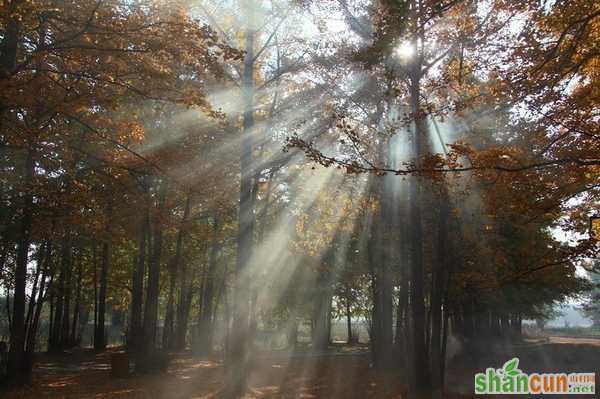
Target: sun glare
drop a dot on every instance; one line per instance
(405, 50)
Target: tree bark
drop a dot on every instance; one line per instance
(42, 252)
(150, 323)
(18, 369)
(168, 331)
(437, 288)
(205, 326)
(66, 315)
(100, 331)
(77, 305)
(420, 385)
(236, 380)
(137, 287)
(32, 332)
(350, 339)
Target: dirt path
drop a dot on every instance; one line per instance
(334, 375)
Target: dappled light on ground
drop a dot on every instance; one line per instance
(343, 372)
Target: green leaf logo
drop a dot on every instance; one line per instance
(510, 368)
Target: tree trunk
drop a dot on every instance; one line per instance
(33, 328)
(437, 288)
(137, 287)
(403, 293)
(95, 275)
(18, 369)
(236, 380)
(54, 344)
(168, 331)
(183, 315)
(100, 330)
(51, 290)
(77, 306)
(420, 385)
(65, 324)
(385, 281)
(350, 339)
(205, 326)
(150, 323)
(321, 333)
(42, 252)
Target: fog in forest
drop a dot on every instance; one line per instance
(317, 199)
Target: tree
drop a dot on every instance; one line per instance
(86, 57)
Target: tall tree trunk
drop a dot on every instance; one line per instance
(95, 276)
(350, 339)
(137, 287)
(385, 280)
(205, 326)
(85, 317)
(77, 306)
(18, 369)
(168, 331)
(150, 323)
(402, 325)
(321, 333)
(57, 341)
(183, 314)
(51, 290)
(34, 289)
(420, 385)
(437, 289)
(39, 302)
(66, 314)
(236, 380)
(100, 330)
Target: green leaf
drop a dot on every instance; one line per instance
(511, 365)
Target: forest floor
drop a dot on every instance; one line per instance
(343, 372)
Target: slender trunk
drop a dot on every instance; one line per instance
(34, 323)
(3, 256)
(18, 369)
(56, 344)
(100, 330)
(168, 331)
(205, 332)
(183, 314)
(85, 317)
(236, 380)
(185, 296)
(137, 287)
(445, 327)
(65, 324)
(32, 332)
(8, 310)
(150, 323)
(77, 306)
(350, 339)
(403, 294)
(34, 289)
(437, 288)
(51, 290)
(420, 385)
(385, 281)
(95, 275)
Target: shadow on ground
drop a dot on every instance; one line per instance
(340, 373)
